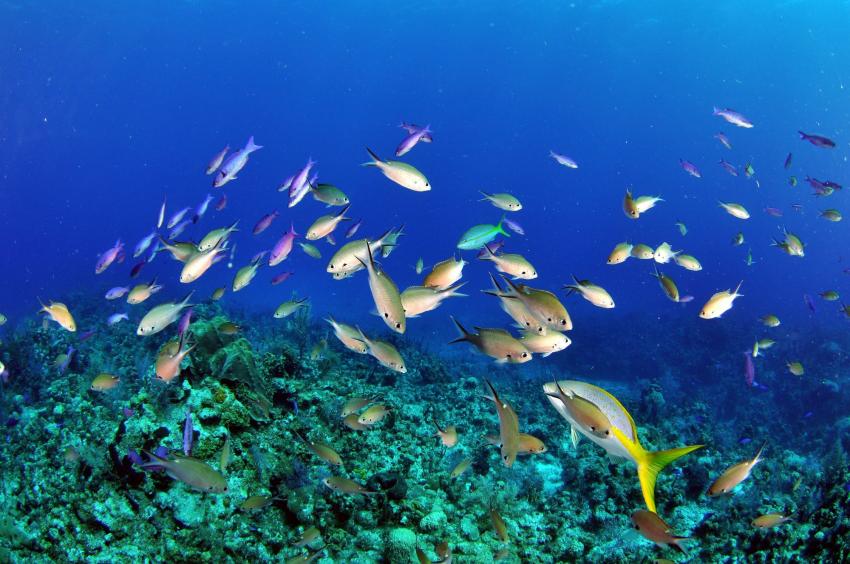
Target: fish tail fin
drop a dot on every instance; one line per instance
(155, 460)
(464, 333)
(758, 458)
(738, 288)
(185, 301)
(485, 194)
(488, 253)
(375, 158)
(501, 229)
(250, 146)
(341, 214)
(676, 543)
(802, 135)
(452, 291)
(714, 110)
(497, 289)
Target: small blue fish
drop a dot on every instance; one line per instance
(116, 318)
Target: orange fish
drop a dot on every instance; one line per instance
(344, 485)
(448, 436)
(652, 527)
(321, 450)
(734, 475)
(168, 362)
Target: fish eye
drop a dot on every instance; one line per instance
(398, 325)
(524, 355)
(607, 432)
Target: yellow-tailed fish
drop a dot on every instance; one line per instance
(196, 474)
(289, 307)
(141, 292)
(511, 264)
(348, 336)
(620, 253)
(346, 486)
(215, 237)
(385, 353)
(735, 210)
(495, 343)
(770, 520)
(795, 368)
(623, 441)
(667, 284)
(246, 274)
(643, 252)
(545, 344)
(104, 382)
(385, 294)
(596, 295)
(720, 303)
(401, 173)
(734, 475)
(688, 262)
(508, 427)
(653, 528)
(162, 316)
(325, 225)
(445, 273)
(502, 201)
(417, 300)
(59, 313)
(460, 468)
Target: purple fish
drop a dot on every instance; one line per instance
(202, 209)
(258, 257)
(413, 128)
(295, 196)
(330, 239)
(179, 228)
(299, 181)
(788, 161)
(816, 184)
(221, 203)
(729, 167)
(177, 218)
(491, 248)
(833, 185)
(690, 168)
(216, 161)
(117, 292)
(563, 159)
(749, 369)
(744, 441)
(235, 163)
(137, 268)
(775, 212)
(513, 226)
(284, 187)
(411, 140)
(282, 277)
(143, 245)
(86, 335)
(135, 457)
(265, 221)
(183, 325)
(818, 140)
(685, 299)
(353, 229)
(69, 355)
(188, 434)
(128, 412)
(733, 117)
(108, 257)
(116, 318)
(723, 139)
(807, 299)
(283, 247)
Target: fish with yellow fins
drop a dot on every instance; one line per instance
(622, 440)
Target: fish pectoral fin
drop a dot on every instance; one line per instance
(574, 436)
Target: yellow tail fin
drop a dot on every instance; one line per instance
(649, 464)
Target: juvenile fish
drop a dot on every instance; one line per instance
(563, 159)
(216, 161)
(734, 475)
(733, 117)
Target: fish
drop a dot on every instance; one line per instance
(629, 206)
(646, 203)
(141, 292)
(809, 303)
(321, 450)
(195, 473)
(218, 293)
(353, 405)
(417, 300)
(283, 247)
(255, 502)
(499, 525)
(513, 226)
(738, 240)
(734, 475)
(733, 117)
(58, 312)
(664, 253)
(300, 184)
(817, 140)
(116, 318)
(188, 433)
(228, 328)
(448, 436)
(445, 273)
(749, 370)
(774, 212)
(411, 140)
(179, 229)
(144, 243)
(215, 237)
(104, 382)
(162, 316)
(623, 441)
(221, 203)
(502, 201)
(479, 235)
(621, 252)
(460, 468)
(723, 140)
(543, 305)
(116, 293)
(420, 265)
(770, 520)
(264, 222)
(687, 262)
(643, 252)
(350, 421)
(280, 278)
(201, 210)
(788, 160)
(831, 215)
(667, 284)
(108, 257)
(350, 337)
(391, 241)
(346, 261)
(770, 320)
(795, 368)
(180, 252)
(169, 359)
(373, 414)
(306, 559)
(792, 181)
(246, 274)
(199, 263)
(720, 303)
(517, 310)
(563, 160)
(401, 173)
(495, 343)
(583, 413)
(735, 210)
(161, 217)
(346, 486)
(829, 295)
(353, 229)
(325, 225)
(508, 427)
(310, 250)
(385, 353)
(385, 294)
(177, 217)
(235, 163)
(308, 536)
(545, 344)
(749, 171)
(512, 264)
(413, 128)
(216, 160)
(690, 168)
(653, 528)
(596, 295)
(329, 194)
(289, 307)
(728, 167)
(528, 444)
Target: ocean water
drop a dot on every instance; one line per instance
(108, 110)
